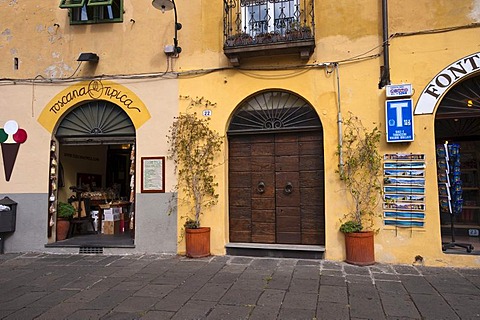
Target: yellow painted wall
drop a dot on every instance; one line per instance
(413, 16)
(30, 32)
(341, 35)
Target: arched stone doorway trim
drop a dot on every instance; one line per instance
(445, 80)
(276, 171)
(273, 110)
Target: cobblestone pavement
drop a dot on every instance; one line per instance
(52, 286)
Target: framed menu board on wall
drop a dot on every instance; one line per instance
(153, 174)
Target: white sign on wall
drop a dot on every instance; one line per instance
(444, 80)
(399, 90)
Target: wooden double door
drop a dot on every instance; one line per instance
(276, 188)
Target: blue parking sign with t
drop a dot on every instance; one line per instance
(399, 120)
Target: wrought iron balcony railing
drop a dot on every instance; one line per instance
(267, 27)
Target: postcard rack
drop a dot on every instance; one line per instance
(404, 191)
(450, 188)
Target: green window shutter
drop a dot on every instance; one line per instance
(99, 2)
(65, 4)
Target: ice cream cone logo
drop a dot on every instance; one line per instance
(11, 136)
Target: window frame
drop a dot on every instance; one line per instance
(96, 8)
(247, 6)
(99, 2)
(71, 4)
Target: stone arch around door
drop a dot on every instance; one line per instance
(445, 80)
(276, 171)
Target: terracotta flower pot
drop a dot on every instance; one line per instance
(359, 247)
(62, 229)
(197, 242)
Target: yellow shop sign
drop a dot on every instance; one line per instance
(94, 90)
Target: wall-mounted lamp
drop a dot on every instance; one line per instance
(167, 5)
(88, 56)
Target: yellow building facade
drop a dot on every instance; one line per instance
(338, 64)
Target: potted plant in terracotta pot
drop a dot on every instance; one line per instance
(360, 171)
(65, 212)
(193, 148)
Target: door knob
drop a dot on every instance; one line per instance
(288, 188)
(261, 187)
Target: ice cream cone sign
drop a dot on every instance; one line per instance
(11, 136)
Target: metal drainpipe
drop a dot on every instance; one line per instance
(339, 123)
(385, 73)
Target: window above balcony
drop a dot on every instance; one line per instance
(268, 27)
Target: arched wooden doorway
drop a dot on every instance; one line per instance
(276, 171)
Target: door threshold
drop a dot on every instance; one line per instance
(275, 250)
(95, 240)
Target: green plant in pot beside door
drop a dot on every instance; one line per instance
(193, 148)
(360, 171)
(65, 212)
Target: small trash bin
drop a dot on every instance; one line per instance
(8, 219)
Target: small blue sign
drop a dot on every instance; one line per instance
(399, 120)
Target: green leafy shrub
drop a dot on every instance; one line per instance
(193, 148)
(65, 210)
(360, 172)
(351, 226)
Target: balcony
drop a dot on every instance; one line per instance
(254, 28)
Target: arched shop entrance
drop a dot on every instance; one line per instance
(457, 135)
(92, 166)
(276, 172)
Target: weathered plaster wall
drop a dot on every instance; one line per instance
(412, 16)
(39, 34)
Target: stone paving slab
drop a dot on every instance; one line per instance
(26, 313)
(335, 294)
(398, 304)
(332, 311)
(433, 306)
(264, 312)
(49, 286)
